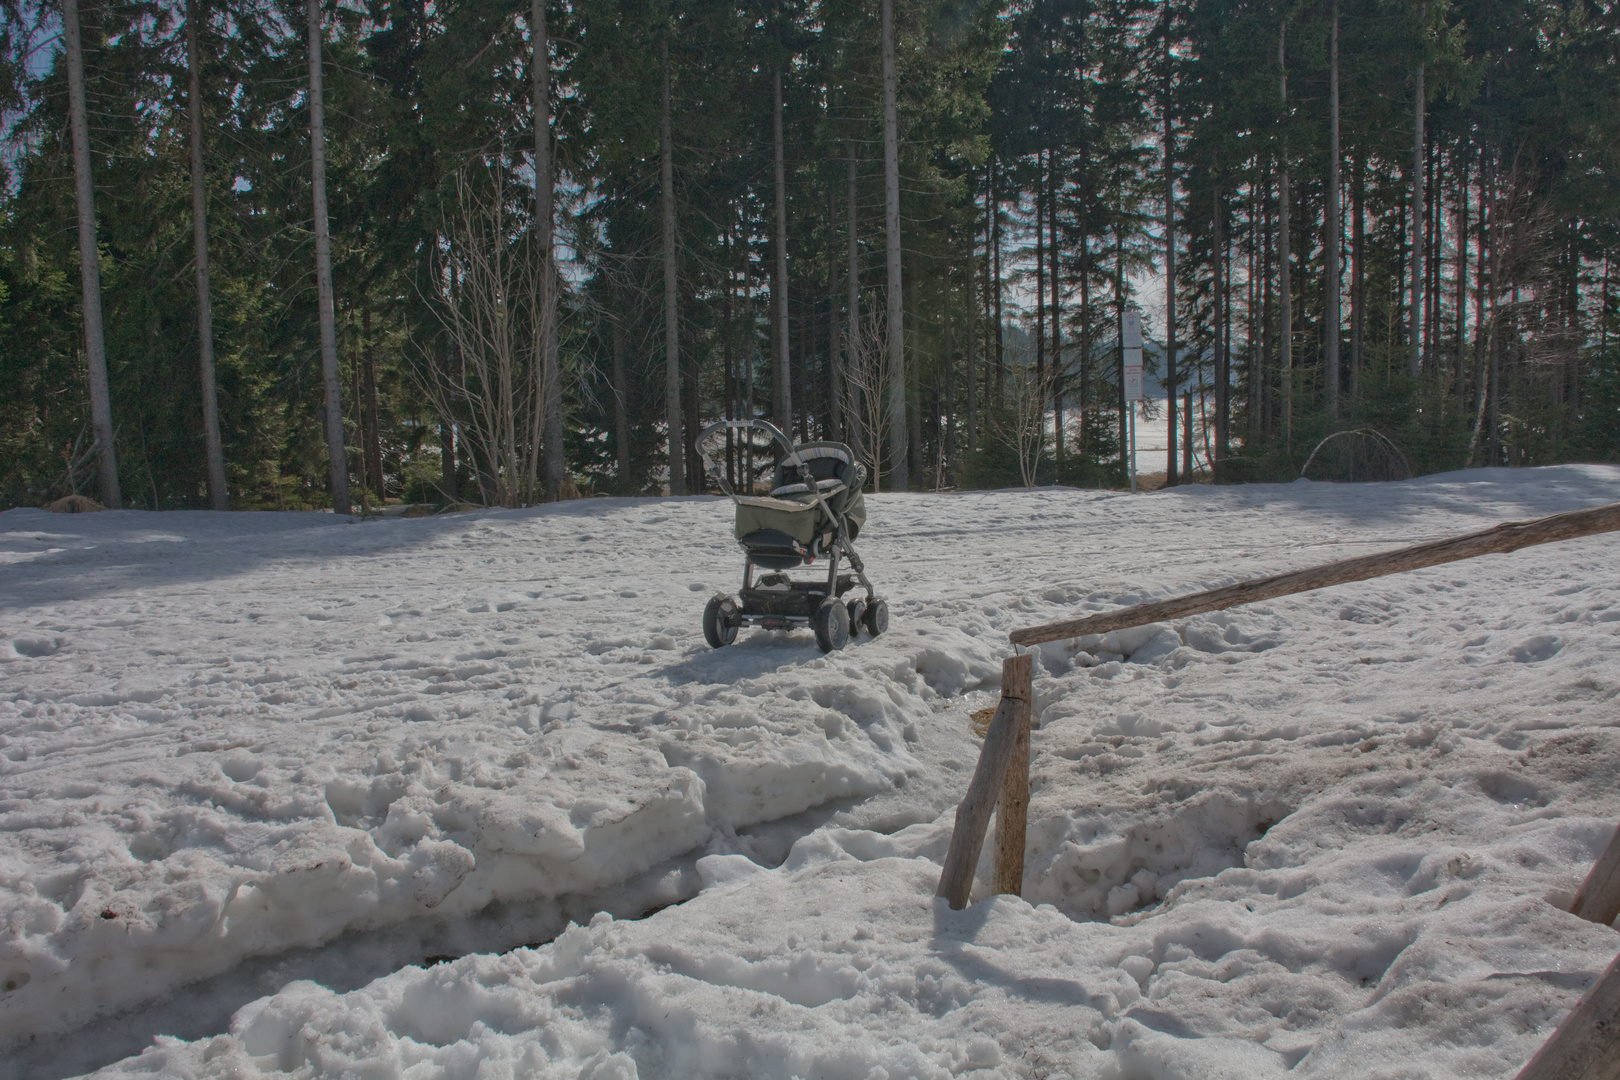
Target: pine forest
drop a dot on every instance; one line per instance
(257, 254)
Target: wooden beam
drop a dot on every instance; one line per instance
(1509, 536)
(1599, 898)
(973, 814)
(1012, 812)
(1586, 1045)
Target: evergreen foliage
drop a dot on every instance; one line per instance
(1033, 207)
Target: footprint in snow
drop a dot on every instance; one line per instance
(36, 647)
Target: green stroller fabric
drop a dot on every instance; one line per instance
(791, 508)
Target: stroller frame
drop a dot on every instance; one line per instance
(776, 601)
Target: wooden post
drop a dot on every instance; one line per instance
(1599, 898)
(1012, 812)
(1586, 1045)
(1509, 536)
(973, 815)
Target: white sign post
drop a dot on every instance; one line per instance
(1133, 378)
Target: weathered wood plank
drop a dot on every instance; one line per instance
(1012, 812)
(1586, 1045)
(1599, 898)
(1509, 536)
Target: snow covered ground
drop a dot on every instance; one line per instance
(293, 793)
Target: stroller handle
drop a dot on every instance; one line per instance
(790, 455)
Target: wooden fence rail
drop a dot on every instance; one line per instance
(1509, 536)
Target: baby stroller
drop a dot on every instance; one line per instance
(815, 510)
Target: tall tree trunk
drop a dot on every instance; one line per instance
(947, 438)
(1358, 275)
(900, 477)
(1040, 293)
(695, 474)
(621, 410)
(672, 342)
(835, 369)
(999, 286)
(95, 341)
(1171, 478)
(1057, 309)
(1223, 333)
(806, 331)
(1285, 320)
(447, 459)
(1414, 337)
(1119, 329)
(857, 407)
(783, 406)
(1435, 232)
(218, 495)
(1085, 336)
(1330, 280)
(550, 369)
(1462, 274)
(748, 375)
(1251, 329)
(914, 440)
(339, 469)
(988, 291)
(371, 436)
(1260, 399)
(1187, 434)
(1481, 316)
(727, 341)
(971, 367)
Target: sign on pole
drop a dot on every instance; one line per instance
(1133, 356)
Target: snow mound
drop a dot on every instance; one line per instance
(209, 757)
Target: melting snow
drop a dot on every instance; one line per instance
(264, 776)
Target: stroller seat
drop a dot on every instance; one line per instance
(826, 487)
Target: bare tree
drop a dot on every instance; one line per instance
(484, 288)
(1023, 422)
(866, 384)
(95, 341)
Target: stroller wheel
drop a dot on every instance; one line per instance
(720, 621)
(857, 612)
(831, 623)
(877, 617)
